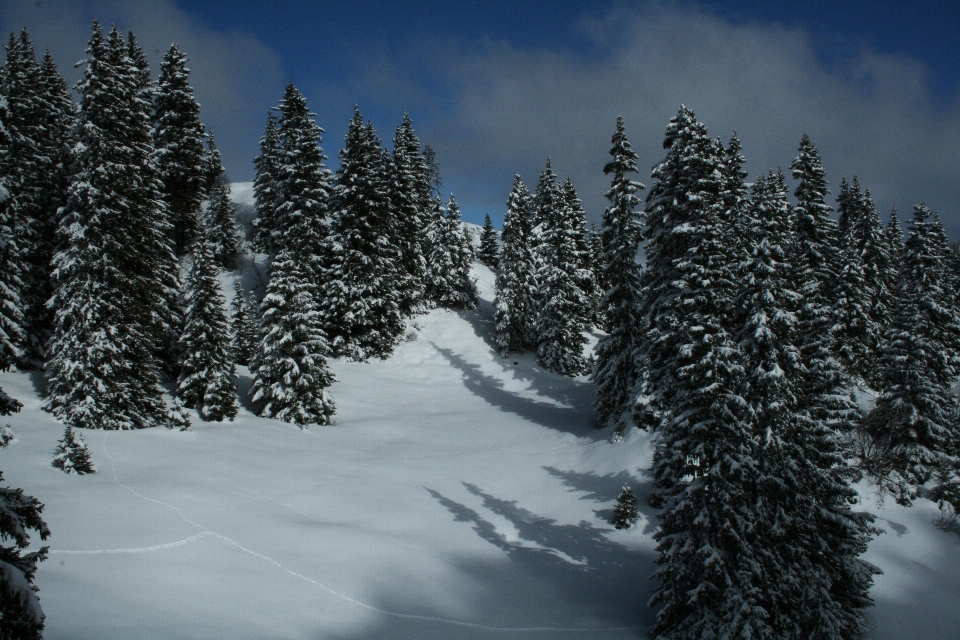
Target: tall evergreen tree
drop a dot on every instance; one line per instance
(244, 326)
(563, 306)
(21, 617)
(219, 219)
(585, 277)
(265, 185)
(813, 275)
(11, 283)
(102, 369)
(489, 252)
(516, 285)
(703, 464)
(302, 182)
(616, 372)
(360, 305)
(178, 136)
(292, 375)
(914, 421)
(410, 196)
(207, 367)
(449, 257)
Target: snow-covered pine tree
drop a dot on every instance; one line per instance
(8, 405)
(410, 197)
(703, 464)
(302, 183)
(914, 421)
(265, 185)
(585, 277)
(360, 304)
(807, 535)
(516, 285)
(219, 219)
(489, 252)
(244, 326)
(948, 275)
(292, 376)
(21, 617)
(12, 334)
(449, 257)
(813, 276)
(178, 136)
(72, 454)
(615, 373)
(564, 307)
(543, 207)
(207, 368)
(894, 235)
(41, 116)
(109, 287)
(625, 513)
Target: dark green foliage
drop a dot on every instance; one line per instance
(449, 258)
(913, 425)
(72, 455)
(615, 373)
(360, 302)
(265, 185)
(207, 369)
(292, 375)
(12, 334)
(411, 200)
(115, 278)
(21, 617)
(584, 277)
(178, 136)
(516, 286)
(563, 306)
(244, 326)
(625, 513)
(489, 252)
(219, 219)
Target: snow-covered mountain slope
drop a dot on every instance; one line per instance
(458, 496)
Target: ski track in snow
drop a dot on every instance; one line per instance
(205, 532)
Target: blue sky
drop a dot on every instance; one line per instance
(496, 87)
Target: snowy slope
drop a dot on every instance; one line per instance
(458, 496)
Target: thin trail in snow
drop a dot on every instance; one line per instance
(205, 532)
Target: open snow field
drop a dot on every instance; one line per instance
(458, 496)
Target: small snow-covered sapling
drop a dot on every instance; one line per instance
(625, 512)
(72, 454)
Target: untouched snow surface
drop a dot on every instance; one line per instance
(458, 496)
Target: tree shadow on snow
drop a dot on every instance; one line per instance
(555, 581)
(605, 489)
(576, 416)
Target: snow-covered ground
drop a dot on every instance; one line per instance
(458, 496)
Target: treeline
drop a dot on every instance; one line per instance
(740, 341)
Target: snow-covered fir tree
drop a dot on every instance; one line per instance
(219, 217)
(102, 370)
(207, 368)
(615, 372)
(813, 261)
(515, 302)
(625, 513)
(563, 306)
(244, 326)
(489, 251)
(292, 375)
(178, 136)
(21, 616)
(585, 277)
(914, 421)
(360, 303)
(12, 333)
(449, 257)
(72, 454)
(302, 183)
(410, 197)
(809, 538)
(265, 185)
(41, 119)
